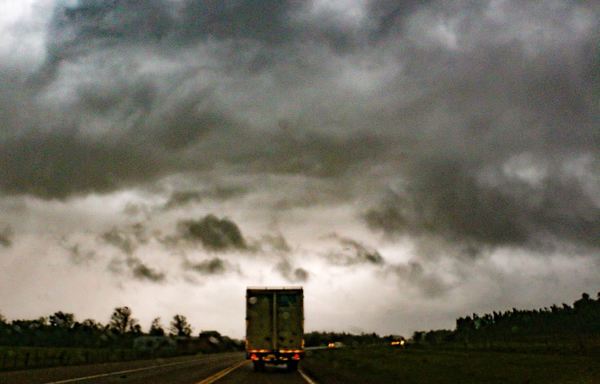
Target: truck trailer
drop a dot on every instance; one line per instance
(275, 326)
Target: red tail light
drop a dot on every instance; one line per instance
(253, 357)
(296, 356)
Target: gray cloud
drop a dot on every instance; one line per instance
(267, 21)
(352, 252)
(141, 271)
(214, 266)
(94, 25)
(58, 165)
(91, 25)
(120, 239)
(79, 254)
(388, 16)
(431, 104)
(213, 233)
(6, 236)
(133, 266)
(185, 197)
(445, 199)
(127, 239)
(291, 273)
(274, 243)
(413, 273)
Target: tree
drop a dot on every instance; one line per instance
(62, 320)
(418, 336)
(121, 320)
(156, 328)
(90, 325)
(136, 328)
(180, 326)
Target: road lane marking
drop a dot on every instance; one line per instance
(222, 373)
(305, 377)
(124, 372)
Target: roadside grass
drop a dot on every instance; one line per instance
(423, 366)
(32, 357)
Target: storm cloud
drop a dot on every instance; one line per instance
(213, 233)
(444, 199)
(214, 266)
(142, 271)
(126, 238)
(79, 255)
(436, 137)
(6, 236)
(427, 282)
(291, 273)
(352, 252)
(186, 197)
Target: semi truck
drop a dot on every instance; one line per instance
(275, 326)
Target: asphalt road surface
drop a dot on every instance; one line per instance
(271, 375)
(220, 369)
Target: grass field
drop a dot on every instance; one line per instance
(386, 365)
(33, 357)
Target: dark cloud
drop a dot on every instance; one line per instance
(79, 254)
(445, 199)
(120, 239)
(300, 274)
(312, 153)
(137, 209)
(274, 243)
(388, 16)
(141, 271)
(127, 239)
(95, 25)
(6, 237)
(430, 103)
(181, 198)
(92, 24)
(214, 266)
(134, 267)
(413, 273)
(185, 197)
(215, 234)
(497, 146)
(352, 252)
(59, 165)
(265, 21)
(291, 273)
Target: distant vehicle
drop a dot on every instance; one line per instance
(334, 345)
(331, 345)
(398, 343)
(275, 326)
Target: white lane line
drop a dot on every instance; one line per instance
(305, 377)
(222, 373)
(123, 372)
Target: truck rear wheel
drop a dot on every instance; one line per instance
(259, 366)
(292, 366)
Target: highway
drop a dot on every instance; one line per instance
(272, 375)
(229, 368)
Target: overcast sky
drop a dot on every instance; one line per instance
(406, 162)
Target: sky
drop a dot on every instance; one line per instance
(406, 162)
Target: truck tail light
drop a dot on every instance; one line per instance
(296, 356)
(253, 357)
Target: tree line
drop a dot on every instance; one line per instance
(61, 329)
(578, 323)
(316, 338)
